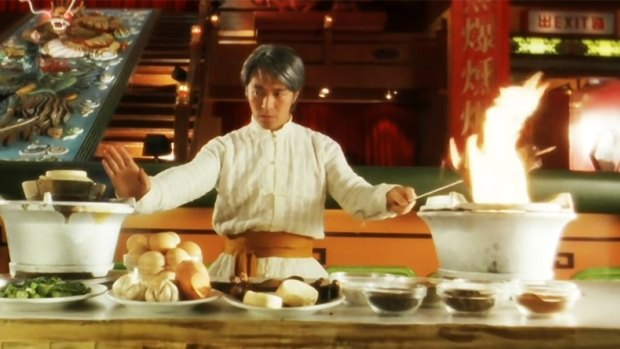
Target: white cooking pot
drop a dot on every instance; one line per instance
(46, 237)
(517, 242)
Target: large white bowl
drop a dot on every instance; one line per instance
(47, 237)
(501, 245)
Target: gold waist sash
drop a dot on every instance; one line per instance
(249, 246)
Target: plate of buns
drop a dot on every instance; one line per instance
(163, 307)
(164, 274)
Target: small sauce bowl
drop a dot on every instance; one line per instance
(394, 297)
(467, 296)
(352, 284)
(545, 298)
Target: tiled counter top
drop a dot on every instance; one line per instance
(101, 323)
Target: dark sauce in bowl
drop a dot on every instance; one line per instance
(471, 301)
(395, 300)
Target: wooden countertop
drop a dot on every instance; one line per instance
(100, 323)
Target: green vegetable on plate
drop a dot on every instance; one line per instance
(43, 287)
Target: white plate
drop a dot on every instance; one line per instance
(284, 312)
(162, 307)
(36, 304)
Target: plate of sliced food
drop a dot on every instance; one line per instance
(45, 293)
(291, 298)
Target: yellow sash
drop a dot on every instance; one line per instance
(249, 246)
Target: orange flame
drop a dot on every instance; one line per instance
(496, 172)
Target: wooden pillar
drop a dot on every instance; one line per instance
(479, 61)
(182, 113)
(206, 125)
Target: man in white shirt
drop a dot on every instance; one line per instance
(272, 177)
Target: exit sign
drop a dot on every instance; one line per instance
(571, 22)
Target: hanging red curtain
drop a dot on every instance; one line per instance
(388, 145)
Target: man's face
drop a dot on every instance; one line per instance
(270, 100)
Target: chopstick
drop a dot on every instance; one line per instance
(439, 189)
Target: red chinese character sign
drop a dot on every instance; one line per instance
(479, 62)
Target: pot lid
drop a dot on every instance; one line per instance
(124, 206)
(560, 203)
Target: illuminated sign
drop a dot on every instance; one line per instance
(522, 45)
(569, 22)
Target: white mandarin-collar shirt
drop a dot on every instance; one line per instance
(269, 181)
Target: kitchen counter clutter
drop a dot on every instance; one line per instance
(100, 322)
(591, 240)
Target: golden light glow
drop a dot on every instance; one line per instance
(183, 93)
(215, 21)
(324, 92)
(196, 34)
(327, 21)
(496, 172)
(237, 42)
(237, 33)
(196, 29)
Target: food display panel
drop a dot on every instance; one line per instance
(60, 82)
